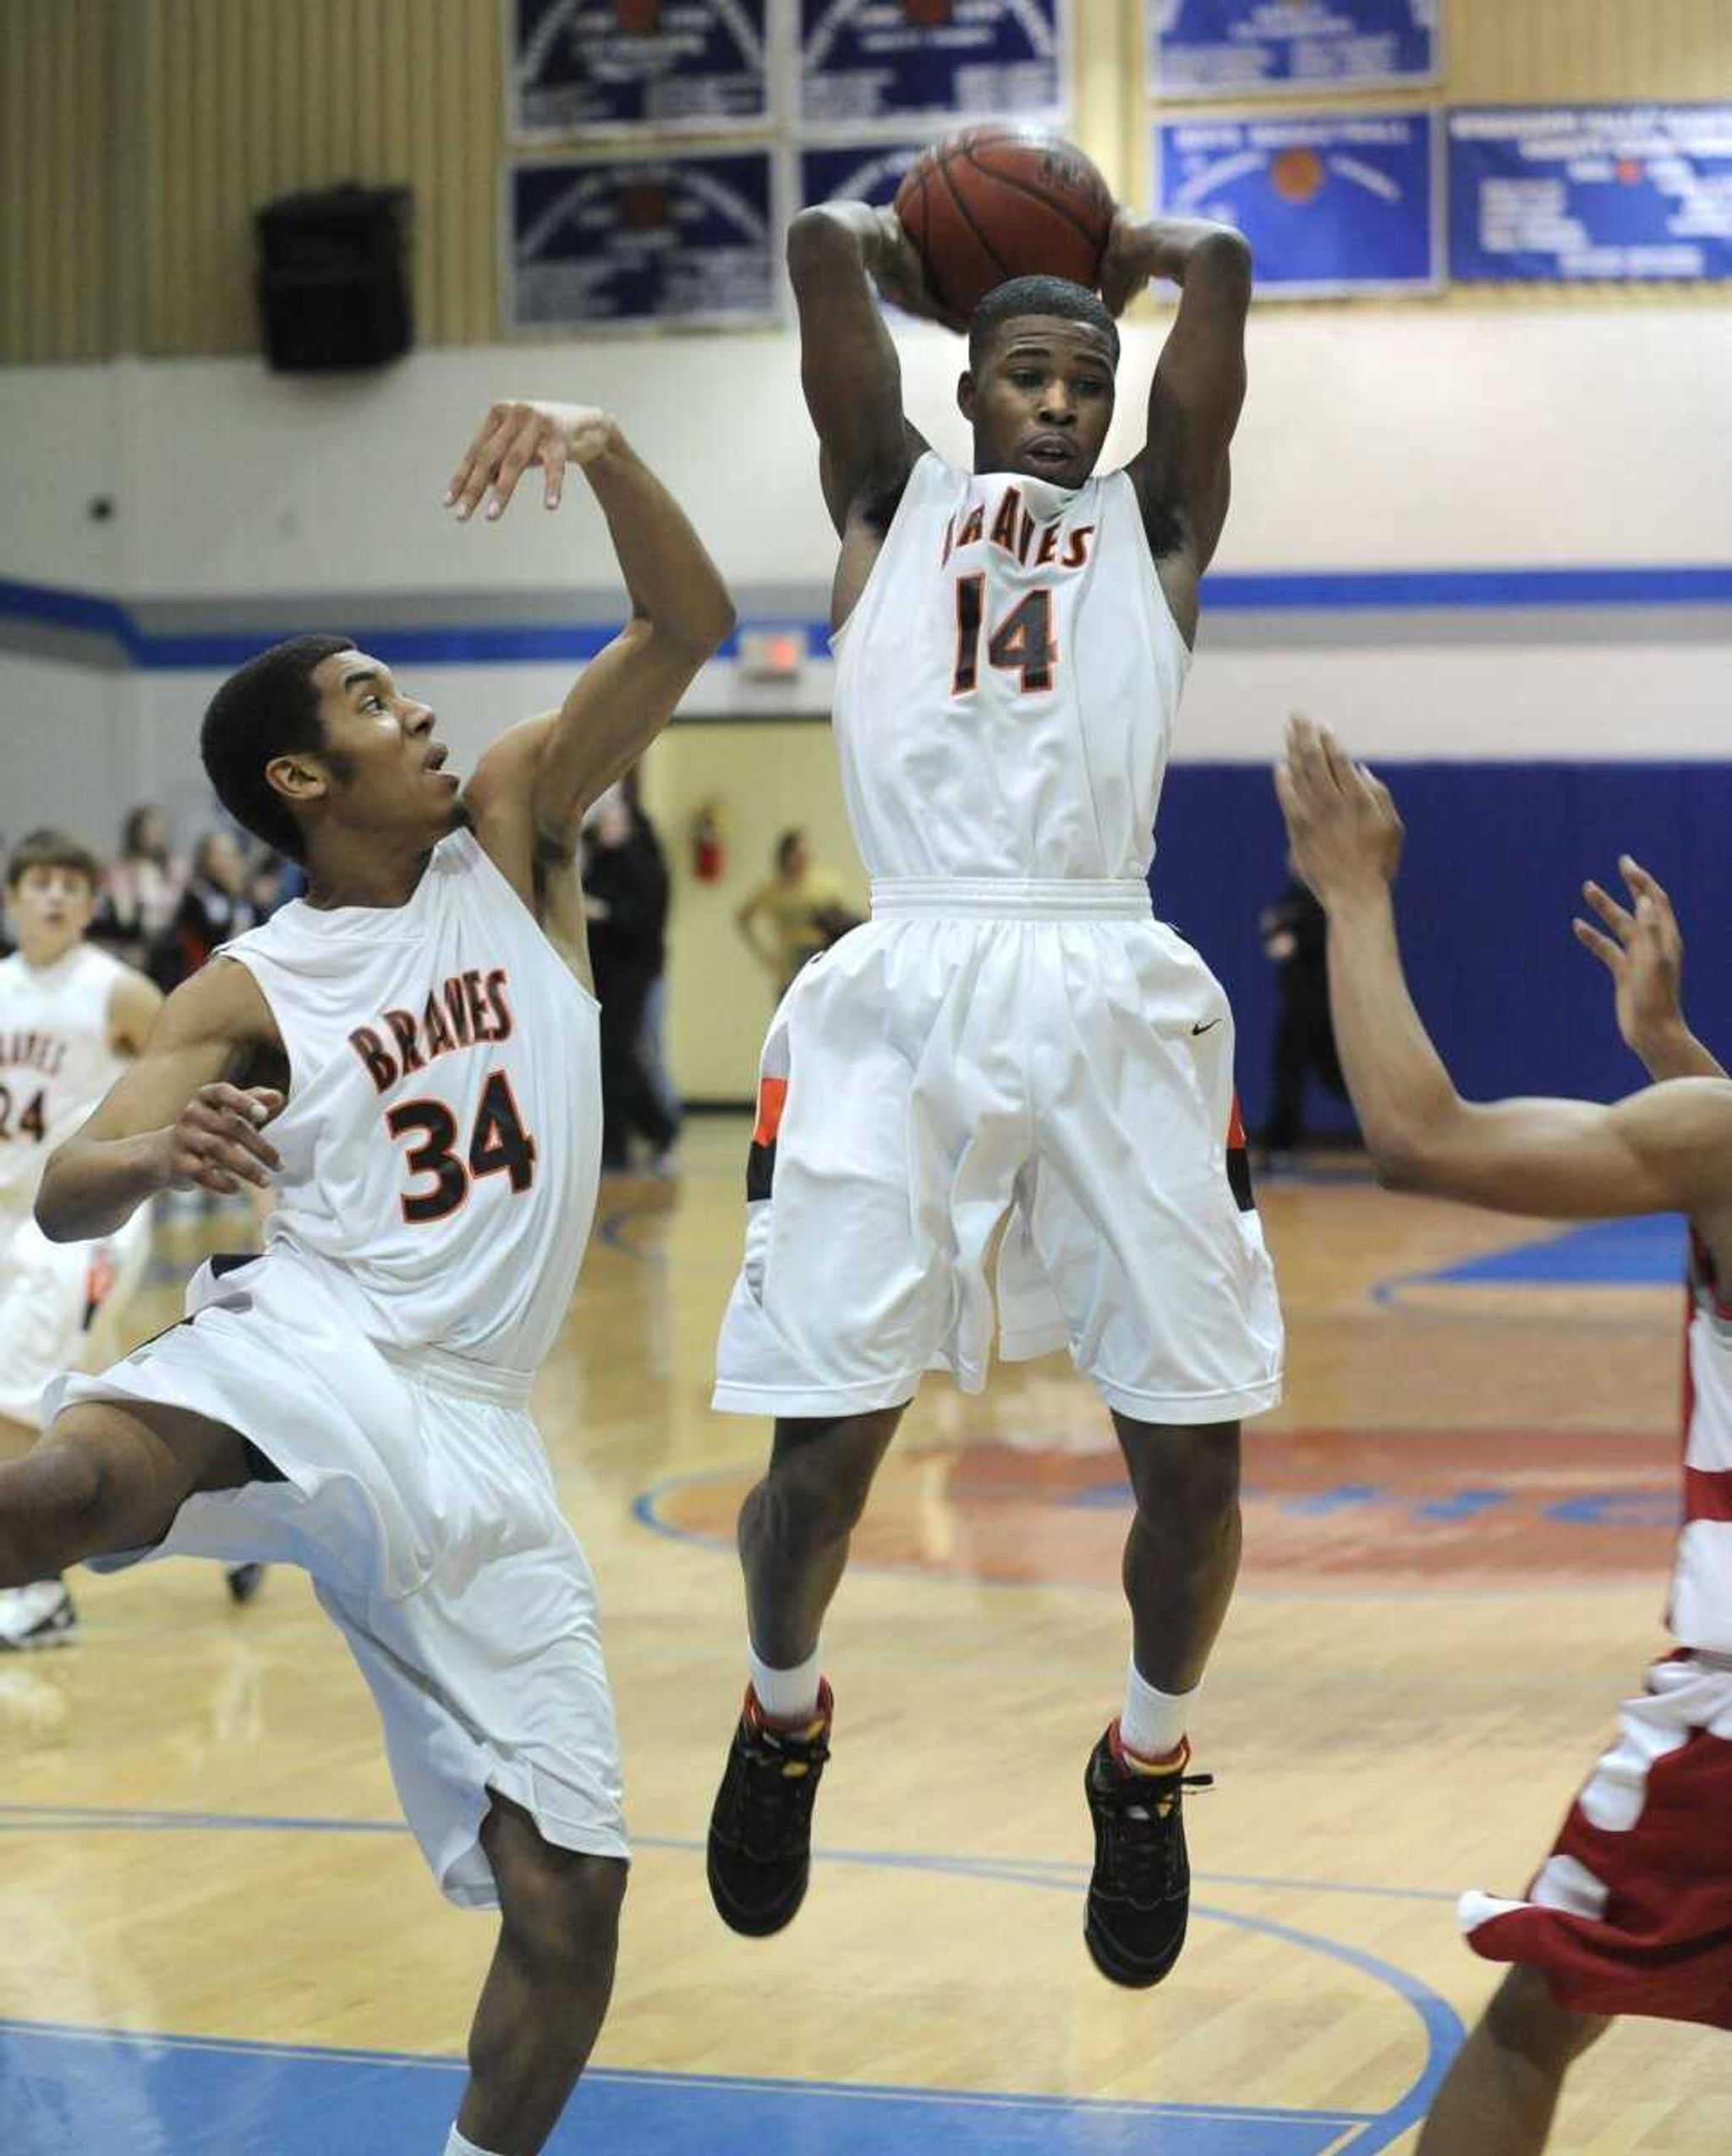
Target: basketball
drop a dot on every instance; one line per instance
(1000, 201)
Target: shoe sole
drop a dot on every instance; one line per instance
(751, 1923)
(1131, 1976)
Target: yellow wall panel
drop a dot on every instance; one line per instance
(138, 137)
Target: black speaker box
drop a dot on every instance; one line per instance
(333, 279)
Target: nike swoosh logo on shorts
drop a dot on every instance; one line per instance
(1195, 1030)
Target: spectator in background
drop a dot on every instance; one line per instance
(1295, 932)
(652, 1049)
(802, 909)
(625, 902)
(217, 905)
(142, 890)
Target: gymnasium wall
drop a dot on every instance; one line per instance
(1486, 536)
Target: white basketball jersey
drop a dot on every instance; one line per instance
(55, 1061)
(1007, 683)
(1701, 1615)
(442, 1140)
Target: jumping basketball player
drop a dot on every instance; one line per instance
(1013, 1069)
(71, 1019)
(1632, 1912)
(356, 1399)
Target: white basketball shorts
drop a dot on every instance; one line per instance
(417, 1494)
(52, 1295)
(1001, 1106)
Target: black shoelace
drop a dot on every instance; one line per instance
(1141, 1854)
(771, 1809)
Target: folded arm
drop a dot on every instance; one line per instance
(1181, 474)
(849, 369)
(173, 1121)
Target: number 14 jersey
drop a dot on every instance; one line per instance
(442, 1140)
(1007, 683)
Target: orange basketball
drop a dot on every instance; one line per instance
(1000, 201)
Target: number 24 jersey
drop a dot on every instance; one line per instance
(441, 1139)
(1007, 683)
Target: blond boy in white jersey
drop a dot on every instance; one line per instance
(71, 1019)
(1005, 1103)
(1632, 1912)
(355, 1398)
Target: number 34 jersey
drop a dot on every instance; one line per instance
(1007, 683)
(442, 1140)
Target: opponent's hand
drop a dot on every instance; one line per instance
(1345, 834)
(516, 436)
(1642, 950)
(900, 275)
(214, 1143)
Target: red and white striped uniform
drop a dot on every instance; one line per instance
(1701, 1615)
(1632, 1913)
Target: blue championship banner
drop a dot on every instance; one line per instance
(1331, 203)
(855, 172)
(894, 61)
(1618, 191)
(1201, 48)
(579, 66)
(690, 238)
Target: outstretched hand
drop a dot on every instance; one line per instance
(517, 434)
(1642, 950)
(1342, 826)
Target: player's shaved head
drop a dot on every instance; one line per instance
(1054, 297)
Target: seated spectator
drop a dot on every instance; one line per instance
(141, 891)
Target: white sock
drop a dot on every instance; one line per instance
(1153, 1722)
(457, 2145)
(786, 1695)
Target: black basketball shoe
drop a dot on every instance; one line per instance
(1139, 1898)
(760, 1830)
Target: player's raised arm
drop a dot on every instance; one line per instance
(173, 1120)
(1181, 473)
(1667, 1149)
(852, 379)
(528, 792)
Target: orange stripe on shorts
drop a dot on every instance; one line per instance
(772, 1099)
(1236, 1129)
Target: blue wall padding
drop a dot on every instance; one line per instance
(1495, 859)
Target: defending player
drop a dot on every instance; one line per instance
(1012, 1070)
(71, 1019)
(1632, 1912)
(356, 1399)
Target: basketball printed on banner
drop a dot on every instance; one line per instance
(1000, 201)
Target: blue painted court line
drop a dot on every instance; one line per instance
(144, 2083)
(102, 2090)
(1647, 1253)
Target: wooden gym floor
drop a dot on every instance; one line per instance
(218, 1937)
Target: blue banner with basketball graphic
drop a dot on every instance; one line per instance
(690, 238)
(889, 62)
(1331, 203)
(582, 66)
(1203, 48)
(1625, 192)
(855, 172)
